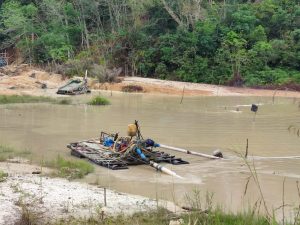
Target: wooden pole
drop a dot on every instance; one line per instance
(86, 74)
(105, 203)
(182, 95)
(246, 155)
(283, 202)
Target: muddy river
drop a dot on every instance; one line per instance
(201, 124)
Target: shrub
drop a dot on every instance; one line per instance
(132, 88)
(98, 100)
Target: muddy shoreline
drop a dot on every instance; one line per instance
(194, 89)
(25, 80)
(56, 198)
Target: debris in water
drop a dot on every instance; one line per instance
(75, 87)
(254, 108)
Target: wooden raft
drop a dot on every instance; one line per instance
(103, 156)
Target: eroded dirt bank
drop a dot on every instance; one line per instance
(23, 79)
(192, 89)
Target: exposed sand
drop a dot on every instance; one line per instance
(55, 198)
(23, 79)
(191, 89)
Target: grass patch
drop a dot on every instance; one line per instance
(70, 169)
(163, 217)
(157, 217)
(10, 99)
(219, 217)
(3, 176)
(201, 211)
(30, 212)
(98, 100)
(132, 88)
(7, 152)
(15, 99)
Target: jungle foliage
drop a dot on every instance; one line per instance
(235, 42)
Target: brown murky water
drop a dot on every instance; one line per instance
(201, 124)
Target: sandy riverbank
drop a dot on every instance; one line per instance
(23, 79)
(192, 89)
(56, 198)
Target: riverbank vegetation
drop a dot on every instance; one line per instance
(98, 100)
(162, 216)
(132, 88)
(233, 42)
(3, 176)
(11, 99)
(70, 169)
(7, 152)
(16, 99)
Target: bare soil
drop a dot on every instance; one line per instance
(23, 79)
(150, 85)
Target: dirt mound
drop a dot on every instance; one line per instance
(132, 88)
(24, 77)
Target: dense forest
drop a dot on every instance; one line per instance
(236, 42)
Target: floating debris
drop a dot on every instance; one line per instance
(75, 87)
(254, 108)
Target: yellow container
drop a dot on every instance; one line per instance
(132, 129)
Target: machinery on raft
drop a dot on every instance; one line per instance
(115, 152)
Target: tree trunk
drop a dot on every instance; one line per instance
(172, 13)
(111, 16)
(86, 35)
